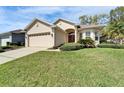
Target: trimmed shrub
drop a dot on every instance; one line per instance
(16, 44)
(8, 43)
(87, 43)
(117, 46)
(20, 43)
(71, 46)
(6, 47)
(1, 50)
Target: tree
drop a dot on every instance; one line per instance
(95, 19)
(115, 29)
(85, 20)
(103, 19)
(117, 15)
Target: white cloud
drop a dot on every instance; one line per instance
(7, 23)
(19, 17)
(72, 13)
(40, 10)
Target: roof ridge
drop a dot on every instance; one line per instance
(36, 19)
(42, 20)
(64, 20)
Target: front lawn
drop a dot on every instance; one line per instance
(85, 67)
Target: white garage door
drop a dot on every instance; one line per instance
(4, 41)
(40, 40)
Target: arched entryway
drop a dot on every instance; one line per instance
(70, 35)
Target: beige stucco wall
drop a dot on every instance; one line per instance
(39, 28)
(40, 41)
(92, 35)
(65, 26)
(60, 37)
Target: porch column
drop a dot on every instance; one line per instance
(76, 35)
(98, 38)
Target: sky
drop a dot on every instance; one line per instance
(17, 17)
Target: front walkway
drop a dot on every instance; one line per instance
(14, 54)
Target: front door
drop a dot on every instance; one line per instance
(71, 37)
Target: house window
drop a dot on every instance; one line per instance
(88, 34)
(96, 36)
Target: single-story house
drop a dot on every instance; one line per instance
(14, 36)
(43, 34)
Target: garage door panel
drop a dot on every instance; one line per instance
(40, 41)
(4, 41)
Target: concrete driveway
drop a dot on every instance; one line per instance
(14, 54)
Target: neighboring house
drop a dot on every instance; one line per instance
(14, 36)
(43, 34)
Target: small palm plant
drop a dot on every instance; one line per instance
(114, 31)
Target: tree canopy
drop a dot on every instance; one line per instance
(117, 15)
(115, 27)
(114, 23)
(95, 19)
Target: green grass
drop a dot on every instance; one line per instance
(86, 67)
